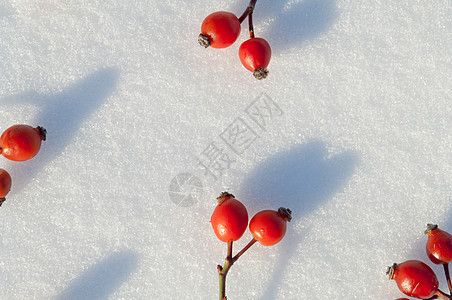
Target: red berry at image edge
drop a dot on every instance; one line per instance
(268, 227)
(414, 278)
(5, 185)
(21, 142)
(229, 219)
(219, 30)
(439, 245)
(255, 55)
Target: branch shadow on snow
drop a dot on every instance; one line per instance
(62, 115)
(302, 179)
(290, 24)
(102, 279)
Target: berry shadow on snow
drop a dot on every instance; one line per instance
(102, 279)
(62, 115)
(291, 23)
(302, 179)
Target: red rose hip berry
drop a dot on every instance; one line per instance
(5, 185)
(268, 227)
(255, 55)
(21, 142)
(439, 245)
(219, 30)
(414, 278)
(229, 219)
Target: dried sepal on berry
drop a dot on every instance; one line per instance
(229, 219)
(255, 55)
(219, 30)
(439, 245)
(269, 227)
(414, 278)
(21, 142)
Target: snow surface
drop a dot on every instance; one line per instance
(351, 130)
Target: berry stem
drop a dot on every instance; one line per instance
(249, 10)
(223, 271)
(237, 256)
(229, 261)
(244, 15)
(441, 295)
(447, 273)
(2, 200)
(250, 24)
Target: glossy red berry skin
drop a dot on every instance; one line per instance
(414, 278)
(5, 185)
(268, 227)
(255, 55)
(439, 245)
(21, 142)
(220, 29)
(229, 219)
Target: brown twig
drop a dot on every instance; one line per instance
(229, 261)
(441, 295)
(249, 10)
(447, 273)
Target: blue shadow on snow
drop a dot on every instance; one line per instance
(302, 179)
(290, 24)
(62, 115)
(5, 11)
(102, 279)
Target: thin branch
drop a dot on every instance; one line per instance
(441, 295)
(223, 271)
(250, 24)
(446, 271)
(229, 261)
(249, 10)
(237, 256)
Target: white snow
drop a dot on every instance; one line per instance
(117, 203)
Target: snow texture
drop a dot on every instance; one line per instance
(351, 130)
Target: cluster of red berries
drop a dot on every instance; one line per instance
(416, 279)
(230, 220)
(18, 143)
(221, 29)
